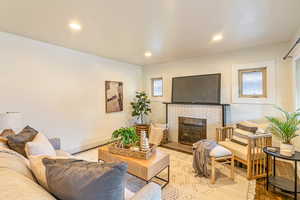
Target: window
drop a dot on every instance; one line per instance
(157, 87)
(252, 83)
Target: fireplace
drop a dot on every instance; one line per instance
(191, 130)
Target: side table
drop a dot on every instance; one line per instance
(284, 184)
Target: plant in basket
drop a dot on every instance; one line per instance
(127, 136)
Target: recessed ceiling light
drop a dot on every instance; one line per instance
(217, 37)
(75, 26)
(148, 54)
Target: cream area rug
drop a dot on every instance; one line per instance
(184, 185)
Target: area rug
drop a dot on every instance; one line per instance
(184, 185)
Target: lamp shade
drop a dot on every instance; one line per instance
(11, 120)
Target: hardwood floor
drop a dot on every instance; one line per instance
(282, 169)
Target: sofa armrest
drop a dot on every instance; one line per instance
(151, 191)
(55, 143)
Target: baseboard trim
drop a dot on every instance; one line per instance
(90, 146)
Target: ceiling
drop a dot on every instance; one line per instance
(171, 29)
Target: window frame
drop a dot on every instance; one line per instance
(264, 76)
(152, 87)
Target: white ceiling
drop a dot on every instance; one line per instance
(171, 29)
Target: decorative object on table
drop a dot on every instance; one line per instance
(144, 142)
(133, 152)
(285, 128)
(113, 96)
(135, 148)
(128, 144)
(140, 109)
(127, 136)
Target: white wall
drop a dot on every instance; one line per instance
(298, 84)
(222, 63)
(61, 92)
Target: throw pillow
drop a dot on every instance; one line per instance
(17, 142)
(241, 137)
(30, 129)
(156, 134)
(40, 145)
(75, 179)
(247, 126)
(7, 132)
(3, 142)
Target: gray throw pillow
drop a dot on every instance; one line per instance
(71, 179)
(17, 142)
(247, 128)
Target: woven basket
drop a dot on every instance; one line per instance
(140, 128)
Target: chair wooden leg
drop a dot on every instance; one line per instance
(232, 167)
(213, 170)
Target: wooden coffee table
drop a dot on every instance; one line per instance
(143, 169)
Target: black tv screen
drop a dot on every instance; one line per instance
(197, 89)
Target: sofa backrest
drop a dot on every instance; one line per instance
(14, 161)
(15, 186)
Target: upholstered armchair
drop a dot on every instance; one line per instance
(251, 154)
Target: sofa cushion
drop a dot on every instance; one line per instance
(238, 150)
(241, 151)
(219, 151)
(12, 160)
(93, 180)
(15, 186)
(241, 136)
(40, 145)
(17, 142)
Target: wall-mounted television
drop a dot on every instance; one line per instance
(201, 89)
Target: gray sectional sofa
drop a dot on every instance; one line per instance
(18, 183)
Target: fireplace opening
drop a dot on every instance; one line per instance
(191, 130)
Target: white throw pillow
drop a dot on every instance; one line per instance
(156, 134)
(40, 145)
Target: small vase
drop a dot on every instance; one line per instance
(287, 149)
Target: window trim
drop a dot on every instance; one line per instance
(240, 77)
(271, 83)
(152, 87)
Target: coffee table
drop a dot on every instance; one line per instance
(143, 169)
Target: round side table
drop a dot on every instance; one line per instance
(284, 184)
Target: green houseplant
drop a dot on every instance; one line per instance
(286, 129)
(127, 136)
(141, 107)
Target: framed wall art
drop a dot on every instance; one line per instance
(113, 96)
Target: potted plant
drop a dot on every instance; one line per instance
(286, 129)
(127, 136)
(141, 107)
